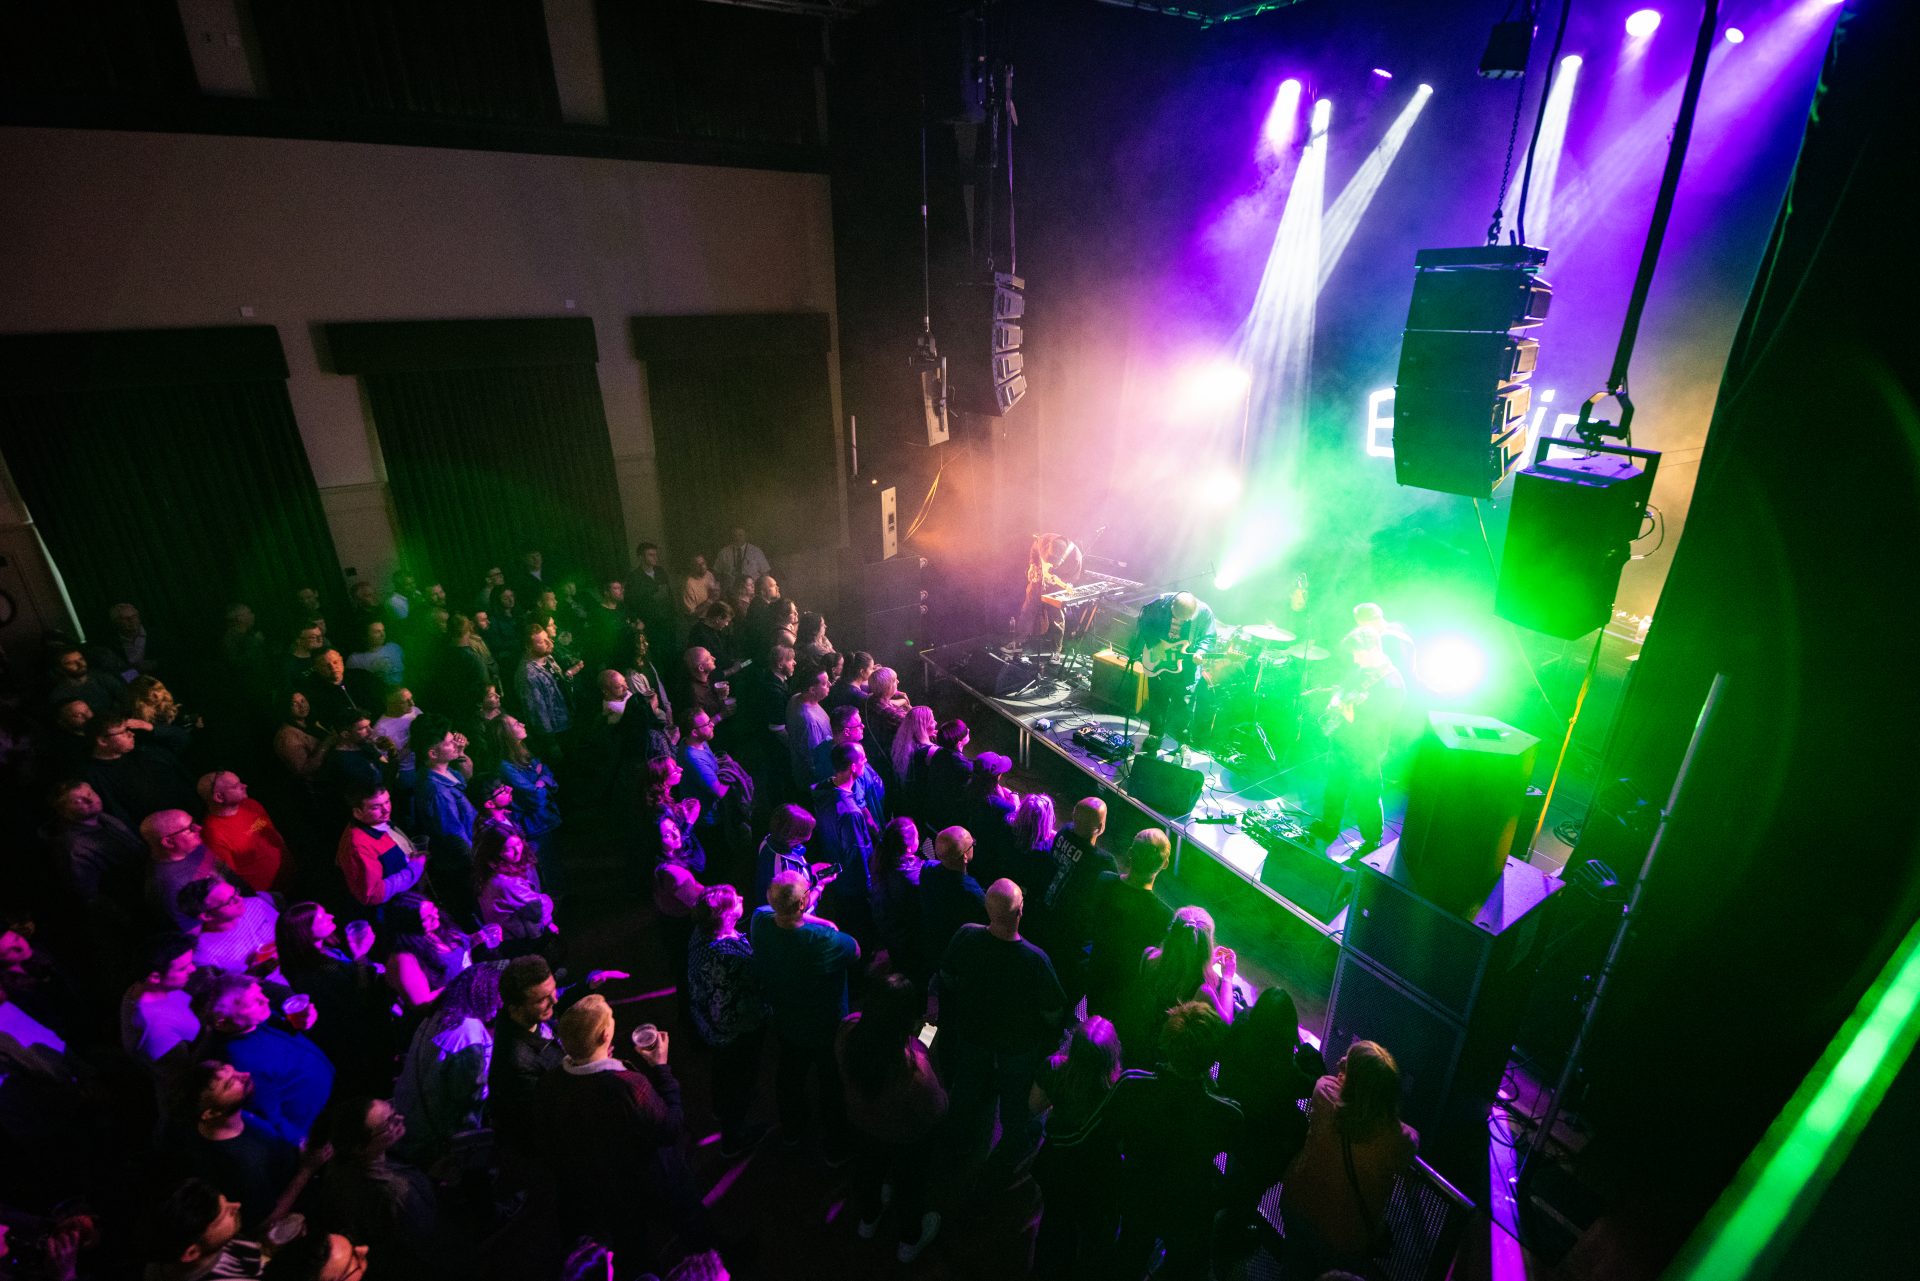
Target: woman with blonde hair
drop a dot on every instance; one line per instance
(1335, 1195)
(912, 744)
(1185, 966)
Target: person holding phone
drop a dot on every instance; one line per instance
(894, 1101)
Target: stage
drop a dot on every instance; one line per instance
(1306, 878)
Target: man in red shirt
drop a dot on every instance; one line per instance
(241, 833)
(376, 857)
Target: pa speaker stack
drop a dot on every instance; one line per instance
(987, 365)
(1461, 399)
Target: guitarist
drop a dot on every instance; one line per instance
(1359, 724)
(1168, 642)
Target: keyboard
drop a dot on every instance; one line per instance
(1096, 587)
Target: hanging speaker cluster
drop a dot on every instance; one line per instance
(989, 369)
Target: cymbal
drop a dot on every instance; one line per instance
(1311, 653)
(1267, 632)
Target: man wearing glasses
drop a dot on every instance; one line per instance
(179, 858)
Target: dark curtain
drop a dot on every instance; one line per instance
(467, 59)
(164, 468)
(484, 462)
(664, 79)
(742, 429)
(91, 49)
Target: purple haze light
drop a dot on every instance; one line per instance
(1284, 118)
(1383, 73)
(1642, 23)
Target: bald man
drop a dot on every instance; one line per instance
(241, 833)
(949, 895)
(1001, 1010)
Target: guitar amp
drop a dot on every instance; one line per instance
(1116, 685)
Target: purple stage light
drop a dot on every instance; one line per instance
(1642, 23)
(1735, 35)
(1383, 73)
(1282, 119)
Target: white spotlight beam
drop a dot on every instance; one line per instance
(1546, 153)
(1343, 215)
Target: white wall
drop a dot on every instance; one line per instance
(115, 230)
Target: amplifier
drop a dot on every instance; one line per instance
(1114, 686)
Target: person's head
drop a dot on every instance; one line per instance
(736, 536)
(848, 727)
(459, 629)
(309, 637)
(189, 1227)
(1186, 951)
(697, 567)
(490, 701)
(70, 662)
(953, 846)
(952, 735)
(356, 728)
(373, 635)
(876, 1048)
(539, 643)
(700, 663)
(307, 601)
(166, 962)
(499, 851)
(532, 560)
(717, 615)
(171, 835)
(362, 1129)
(990, 770)
(75, 801)
(783, 659)
(1033, 827)
(917, 728)
(832, 663)
(374, 807)
(718, 910)
(662, 775)
(857, 668)
(318, 1256)
(883, 682)
(1005, 904)
(670, 842)
(302, 930)
(1263, 1041)
(213, 901)
(790, 826)
(211, 1092)
(509, 739)
(239, 618)
(613, 592)
(110, 737)
(1147, 856)
(431, 741)
(16, 940)
(695, 726)
(399, 701)
(899, 845)
(471, 995)
(769, 589)
(789, 894)
(811, 628)
(298, 707)
(1185, 606)
(1192, 1037)
(817, 687)
(586, 1029)
(365, 594)
(849, 761)
(232, 1004)
(125, 618)
(329, 666)
(649, 554)
(1090, 819)
(222, 790)
(529, 993)
(1088, 1065)
(150, 700)
(613, 686)
(413, 915)
(1369, 1090)
(71, 715)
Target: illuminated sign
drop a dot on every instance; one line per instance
(1377, 426)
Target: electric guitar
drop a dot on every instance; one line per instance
(1346, 699)
(1166, 658)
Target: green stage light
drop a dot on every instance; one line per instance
(1451, 665)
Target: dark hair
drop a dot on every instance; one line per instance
(473, 993)
(181, 1219)
(790, 823)
(950, 734)
(717, 614)
(876, 1047)
(191, 1086)
(302, 1259)
(1259, 1057)
(840, 715)
(1191, 1039)
(193, 896)
(1085, 1068)
(655, 788)
(812, 627)
(858, 661)
(161, 950)
(293, 937)
(520, 976)
(842, 755)
(407, 931)
(644, 548)
(102, 724)
(505, 746)
(426, 733)
(684, 717)
(489, 854)
(894, 851)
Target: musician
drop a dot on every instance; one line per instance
(1054, 564)
(1359, 723)
(1168, 643)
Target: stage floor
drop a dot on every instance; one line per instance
(1047, 716)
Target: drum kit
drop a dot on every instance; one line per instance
(1252, 687)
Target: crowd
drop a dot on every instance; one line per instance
(290, 983)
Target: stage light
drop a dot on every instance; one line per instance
(1642, 23)
(1383, 73)
(1451, 665)
(1571, 61)
(1343, 216)
(1735, 35)
(1546, 153)
(1211, 389)
(1278, 133)
(1322, 116)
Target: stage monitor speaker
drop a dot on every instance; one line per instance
(994, 674)
(1307, 878)
(1569, 535)
(1170, 790)
(1465, 792)
(1116, 685)
(1460, 396)
(986, 366)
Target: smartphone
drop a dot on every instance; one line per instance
(927, 1033)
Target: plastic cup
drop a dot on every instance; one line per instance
(359, 936)
(645, 1037)
(284, 1230)
(296, 1005)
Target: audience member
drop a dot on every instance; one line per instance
(949, 896)
(1127, 917)
(178, 858)
(1335, 1195)
(240, 833)
(330, 966)
(157, 1024)
(366, 1196)
(236, 930)
(506, 887)
(194, 1233)
(425, 952)
(807, 726)
(377, 859)
(894, 1101)
(1078, 1169)
(442, 1086)
(948, 770)
(257, 1168)
(399, 714)
(803, 962)
(1185, 966)
(850, 686)
(740, 560)
(728, 1011)
(784, 849)
(132, 778)
(291, 1077)
(1068, 901)
(895, 894)
(913, 747)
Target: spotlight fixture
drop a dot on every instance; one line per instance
(1735, 35)
(1383, 73)
(1322, 115)
(1642, 23)
(1505, 57)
